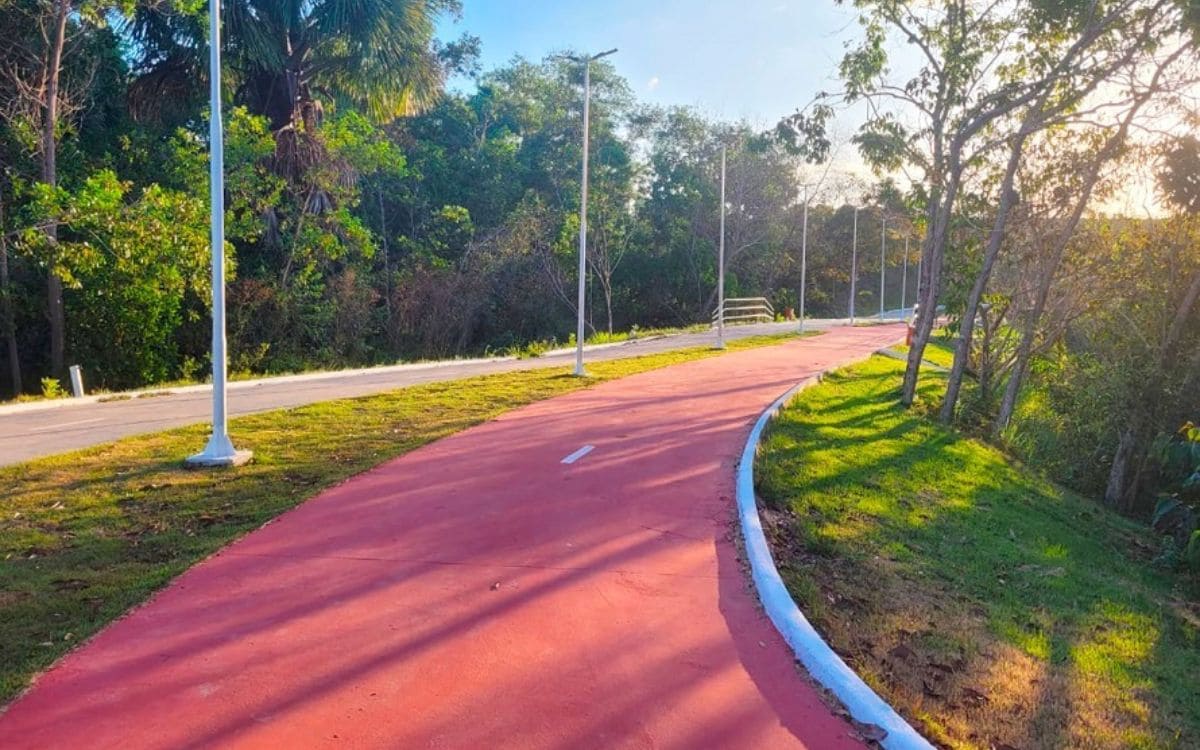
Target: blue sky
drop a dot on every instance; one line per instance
(754, 60)
(734, 59)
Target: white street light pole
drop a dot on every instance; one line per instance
(583, 206)
(854, 266)
(220, 450)
(721, 264)
(882, 262)
(804, 258)
(904, 279)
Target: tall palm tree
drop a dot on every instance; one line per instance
(285, 60)
(286, 57)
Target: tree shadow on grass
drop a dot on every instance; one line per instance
(969, 592)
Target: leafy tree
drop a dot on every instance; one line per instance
(289, 60)
(8, 321)
(131, 263)
(979, 64)
(44, 37)
(1062, 105)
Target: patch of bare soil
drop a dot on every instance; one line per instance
(931, 654)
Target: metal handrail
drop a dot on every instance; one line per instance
(742, 309)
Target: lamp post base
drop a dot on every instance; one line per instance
(215, 461)
(219, 453)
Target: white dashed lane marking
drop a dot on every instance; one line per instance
(578, 454)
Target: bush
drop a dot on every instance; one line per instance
(51, 388)
(1175, 515)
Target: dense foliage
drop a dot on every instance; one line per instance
(1078, 329)
(376, 217)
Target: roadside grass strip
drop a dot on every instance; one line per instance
(988, 606)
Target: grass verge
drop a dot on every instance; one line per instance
(604, 337)
(532, 349)
(87, 535)
(990, 607)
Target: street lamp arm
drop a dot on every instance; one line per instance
(586, 58)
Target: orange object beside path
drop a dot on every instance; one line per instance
(481, 593)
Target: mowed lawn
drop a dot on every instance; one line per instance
(85, 536)
(989, 606)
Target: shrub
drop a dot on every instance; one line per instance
(51, 388)
(1175, 515)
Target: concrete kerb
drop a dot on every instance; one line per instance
(241, 384)
(297, 378)
(811, 650)
(47, 404)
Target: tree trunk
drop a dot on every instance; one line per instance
(921, 336)
(1114, 494)
(54, 286)
(1012, 389)
(1192, 384)
(7, 317)
(1110, 149)
(986, 366)
(1182, 313)
(962, 347)
(608, 305)
(940, 210)
(1016, 378)
(1121, 492)
(387, 263)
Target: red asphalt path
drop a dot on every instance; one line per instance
(479, 593)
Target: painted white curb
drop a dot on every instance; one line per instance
(236, 385)
(825, 666)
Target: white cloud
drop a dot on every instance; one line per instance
(652, 84)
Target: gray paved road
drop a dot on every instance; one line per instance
(35, 432)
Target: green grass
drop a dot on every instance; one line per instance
(990, 606)
(939, 351)
(85, 536)
(604, 337)
(538, 348)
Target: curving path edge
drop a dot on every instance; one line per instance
(482, 591)
(821, 661)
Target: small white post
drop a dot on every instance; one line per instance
(77, 381)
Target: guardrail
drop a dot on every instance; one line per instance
(745, 310)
